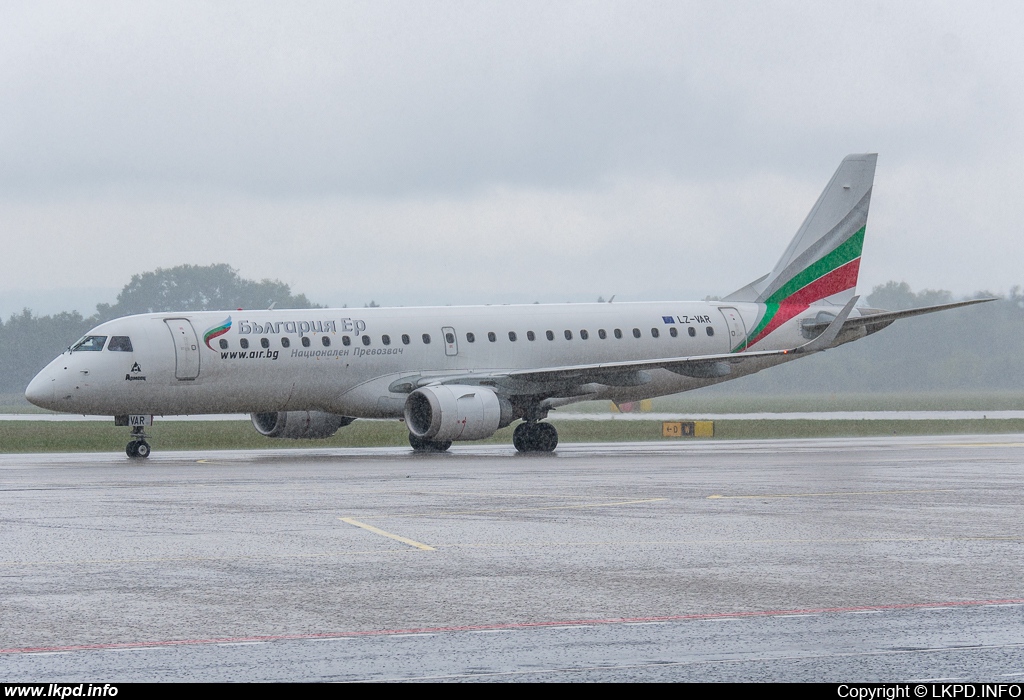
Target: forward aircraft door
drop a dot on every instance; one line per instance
(737, 331)
(451, 342)
(186, 348)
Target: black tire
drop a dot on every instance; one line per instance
(423, 445)
(142, 449)
(521, 437)
(535, 437)
(129, 449)
(547, 437)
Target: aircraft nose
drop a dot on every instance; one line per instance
(40, 390)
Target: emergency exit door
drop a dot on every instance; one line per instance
(451, 342)
(186, 348)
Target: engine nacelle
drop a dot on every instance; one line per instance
(299, 425)
(453, 412)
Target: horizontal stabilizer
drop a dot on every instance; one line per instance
(881, 319)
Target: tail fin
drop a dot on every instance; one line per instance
(823, 259)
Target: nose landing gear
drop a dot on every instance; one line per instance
(138, 448)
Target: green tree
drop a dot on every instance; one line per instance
(199, 288)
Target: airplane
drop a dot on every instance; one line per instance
(462, 373)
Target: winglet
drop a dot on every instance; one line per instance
(829, 335)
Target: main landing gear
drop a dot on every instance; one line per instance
(138, 448)
(535, 437)
(423, 445)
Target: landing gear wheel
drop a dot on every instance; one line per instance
(137, 449)
(535, 437)
(423, 445)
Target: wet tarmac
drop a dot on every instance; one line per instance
(837, 560)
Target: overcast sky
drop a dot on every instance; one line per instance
(436, 153)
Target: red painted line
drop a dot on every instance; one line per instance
(501, 626)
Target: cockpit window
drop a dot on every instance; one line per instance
(120, 343)
(92, 343)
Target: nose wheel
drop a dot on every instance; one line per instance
(138, 448)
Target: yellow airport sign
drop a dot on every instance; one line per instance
(692, 428)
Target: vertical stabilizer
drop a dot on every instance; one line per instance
(822, 261)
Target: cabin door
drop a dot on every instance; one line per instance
(186, 348)
(737, 331)
(451, 343)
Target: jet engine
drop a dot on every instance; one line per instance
(299, 425)
(453, 412)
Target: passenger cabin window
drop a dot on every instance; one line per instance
(491, 337)
(655, 333)
(243, 343)
(618, 334)
(223, 344)
(426, 338)
(90, 343)
(366, 340)
(346, 341)
(636, 332)
(601, 333)
(710, 330)
(405, 338)
(326, 341)
(264, 343)
(449, 338)
(386, 339)
(584, 335)
(692, 332)
(673, 331)
(305, 342)
(550, 335)
(531, 336)
(568, 335)
(285, 343)
(120, 343)
(470, 338)
(512, 336)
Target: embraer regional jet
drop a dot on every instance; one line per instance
(461, 373)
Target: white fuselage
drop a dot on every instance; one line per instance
(349, 361)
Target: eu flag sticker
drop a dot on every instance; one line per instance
(668, 319)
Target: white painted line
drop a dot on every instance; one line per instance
(414, 634)
(136, 648)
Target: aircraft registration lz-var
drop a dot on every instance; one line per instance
(462, 373)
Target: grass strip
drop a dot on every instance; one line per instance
(23, 437)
